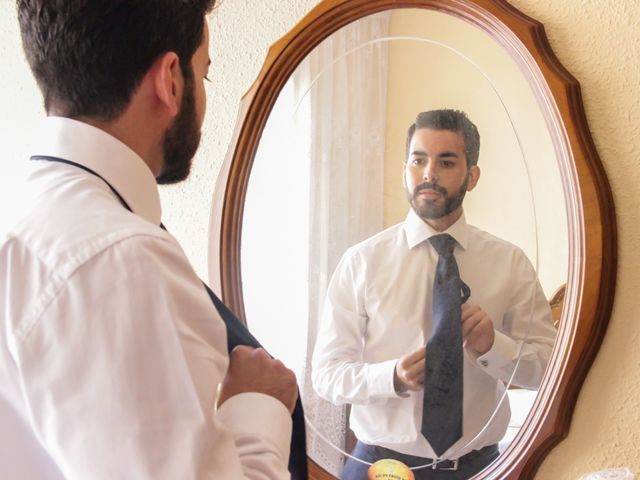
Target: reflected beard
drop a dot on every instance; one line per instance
(428, 209)
(181, 140)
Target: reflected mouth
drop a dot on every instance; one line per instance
(430, 191)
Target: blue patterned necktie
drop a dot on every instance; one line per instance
(442, 406)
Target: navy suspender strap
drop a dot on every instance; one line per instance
(237, 334)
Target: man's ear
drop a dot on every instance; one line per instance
(474, 176)
(168, 82)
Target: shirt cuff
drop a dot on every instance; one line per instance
(380, 380)
(502, 353)
(258, 415)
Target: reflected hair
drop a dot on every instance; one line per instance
(89, 56)
(455, 121)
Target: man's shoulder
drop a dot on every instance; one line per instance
(488, 248)
(44, 251)
(483, 239)
(61, 237)
(380, 242)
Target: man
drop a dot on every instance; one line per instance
(113, 359)
(378, 317)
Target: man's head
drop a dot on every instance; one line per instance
(90, 56)
(441, 165)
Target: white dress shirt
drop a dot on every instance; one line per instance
(378, 308)
(111, 351)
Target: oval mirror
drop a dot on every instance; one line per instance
(332, 138)
(317, 167)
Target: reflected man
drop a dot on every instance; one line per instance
(378, 316)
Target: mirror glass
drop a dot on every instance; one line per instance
(328, 175)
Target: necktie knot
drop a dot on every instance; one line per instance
(443, 243)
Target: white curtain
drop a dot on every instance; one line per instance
(315, 189)
(348, 109)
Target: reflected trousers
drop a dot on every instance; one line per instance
(468, 465)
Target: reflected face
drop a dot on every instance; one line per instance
(183, 137)
(436, 177)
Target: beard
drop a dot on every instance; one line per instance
(181, 140)
(428, 209)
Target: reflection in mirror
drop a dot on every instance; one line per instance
(328, 174)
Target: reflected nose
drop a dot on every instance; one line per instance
(430, 173)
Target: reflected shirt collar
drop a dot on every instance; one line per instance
(118, 164)
(417, 230)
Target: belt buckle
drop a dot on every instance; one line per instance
(448, 465)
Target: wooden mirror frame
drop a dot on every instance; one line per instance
(590, 212)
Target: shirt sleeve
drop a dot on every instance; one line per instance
(120, 373)
(339, 373)
(525, 336)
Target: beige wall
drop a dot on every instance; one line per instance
(599, 42)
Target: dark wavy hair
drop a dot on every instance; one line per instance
(88, 56)
(455, 121)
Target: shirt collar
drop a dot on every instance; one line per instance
(93, 148)
(417, 230)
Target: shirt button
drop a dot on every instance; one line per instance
(484, 363)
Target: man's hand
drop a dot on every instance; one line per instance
(477, 329)
(409, 372)
(253, 370)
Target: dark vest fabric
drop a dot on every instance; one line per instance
(238, 334)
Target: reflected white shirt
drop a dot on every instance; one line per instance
(378, 308)
(111, 351)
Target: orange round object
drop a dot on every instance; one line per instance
(388, 469)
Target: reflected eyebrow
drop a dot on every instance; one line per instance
(420, 153)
